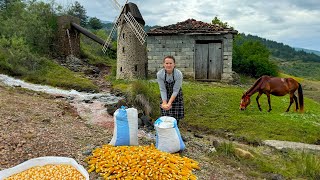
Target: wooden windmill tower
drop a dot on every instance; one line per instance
(132, 62)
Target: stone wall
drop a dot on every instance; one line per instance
(182, 47)
(131, 55)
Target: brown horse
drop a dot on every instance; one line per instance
(275, 86)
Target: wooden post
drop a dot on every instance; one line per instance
(68, 38)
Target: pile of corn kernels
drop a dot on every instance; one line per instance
(49, 172)
(139, 162)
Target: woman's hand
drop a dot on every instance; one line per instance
(166, 106)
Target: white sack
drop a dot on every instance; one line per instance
(125, 131)
(168, 138)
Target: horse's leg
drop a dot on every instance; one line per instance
(257, 99)
(291, 101)
(269, 102)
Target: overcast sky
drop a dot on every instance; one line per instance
(292, 22)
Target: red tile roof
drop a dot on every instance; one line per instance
(191, 26)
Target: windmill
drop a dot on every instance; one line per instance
(131, 46)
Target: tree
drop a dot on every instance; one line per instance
(217, 21)
(252, 58)
(95, 23)
(78, 10)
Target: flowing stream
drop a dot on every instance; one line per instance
(92, 107)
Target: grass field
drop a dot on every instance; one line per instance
(213, 108)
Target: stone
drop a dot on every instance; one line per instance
(284, 145)
(198, 135)
(146, 121)
(272, 176)
(215, 143)
(212, 150)
(87, 152)
(243, 153)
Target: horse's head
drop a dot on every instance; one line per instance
(245, 101)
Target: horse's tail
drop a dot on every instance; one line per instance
(300, 94)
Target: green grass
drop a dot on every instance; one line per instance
(215, 108)
(290, 164)
(310, 70)
(93, 51)
(55, 75)
(17, 60)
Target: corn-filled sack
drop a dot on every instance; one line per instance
(168, 138)
(125, 131)
(48, 167)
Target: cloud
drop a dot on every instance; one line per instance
(293, 22)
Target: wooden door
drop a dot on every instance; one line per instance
(201, 61)
(215, 61)
(208, 61)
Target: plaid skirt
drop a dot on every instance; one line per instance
(177, 110)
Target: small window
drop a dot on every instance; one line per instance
(122, 35)
(120, 69)
(123, 49)
(136, 68)
(146, 69)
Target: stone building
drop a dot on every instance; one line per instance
(202, 51)
(131, 54)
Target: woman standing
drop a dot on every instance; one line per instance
(170, 83)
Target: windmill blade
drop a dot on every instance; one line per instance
(117, 4)
(115, 25)
(136, 27)
(113, 30)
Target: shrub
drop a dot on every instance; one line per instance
(252, 58)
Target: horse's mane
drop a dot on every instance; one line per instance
(253, 87)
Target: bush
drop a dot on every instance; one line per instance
(252, 58)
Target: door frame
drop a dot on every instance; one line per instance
(195, 59)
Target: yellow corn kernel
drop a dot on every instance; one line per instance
(131, 162)
(61, 171)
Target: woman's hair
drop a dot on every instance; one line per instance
(170, 57)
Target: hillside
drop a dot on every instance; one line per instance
(282, 51)
(308, 51)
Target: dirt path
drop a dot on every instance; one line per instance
(35, 124)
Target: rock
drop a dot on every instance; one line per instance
(140, 123)
(184, 139)
(46, 120)
(235, 78)
(198, 135)
(272, 176)
(87, 152)
(87, 101)
(286, 145)
(212, 150)
(243, 153)
(146, 121)
(216, 143)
